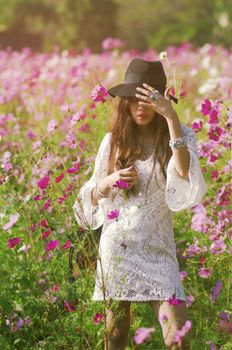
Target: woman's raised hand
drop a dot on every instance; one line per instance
(127, 174)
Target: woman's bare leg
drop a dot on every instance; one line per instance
(118, 325)
(177, 315)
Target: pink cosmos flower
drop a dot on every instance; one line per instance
(43, 223)
(71, 141)
(174, 301)
(121, 184)
(66, 245)
(99, 93)
(213, 119)
(52, 125)
(214, 174)
(197, 126)
(180, 334)
(112, 43)
(205, 272)
(218, 247)
(52, 245)
(59, 178)
(75, 118)
(84, 128)
(183, 275)
(113, 214)
(64, 108)
(215, 291)
(44, 182)
(214, 133)
(69, 306)
(143, 334)
(74, 169)
(13, 242)
(98, 317)
(189, 299)
(47, 204)
(206, 107)
(11, 222)
(46, 233)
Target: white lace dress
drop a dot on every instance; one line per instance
(137, 254)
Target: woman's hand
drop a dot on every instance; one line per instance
(161, 105)
(128, 174)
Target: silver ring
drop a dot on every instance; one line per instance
(154, 95)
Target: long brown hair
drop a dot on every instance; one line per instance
(124, 145)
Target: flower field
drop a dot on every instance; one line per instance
(54, 112)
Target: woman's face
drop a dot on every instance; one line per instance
(142, 115)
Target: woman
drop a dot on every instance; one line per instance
(156, 156)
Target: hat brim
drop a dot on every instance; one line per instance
(130, 90)
(124, 89)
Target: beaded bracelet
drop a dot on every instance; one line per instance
(99, 193)
(178, 143)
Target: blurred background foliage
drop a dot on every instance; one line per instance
(77, 24)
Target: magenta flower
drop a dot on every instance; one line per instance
(51, 245)
(214, 174)
(99, 93)
(47, 204)
(43, 223)
(205, 272)
(66, 245)
(174, 301)
(44, 182)
(59, 178)
(74, 169)
(197, 126)
(11, 222)
(214, 133)
(69, 307)
(216, 291)
(13, 242)
(213, 118)
(143, 334)
(121, 184)
(113, 214)
(206, 107)
(97, 318)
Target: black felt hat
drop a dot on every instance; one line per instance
(138, 72)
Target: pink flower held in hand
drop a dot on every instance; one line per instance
(51, 245)
(99, 93)
(113, 214)
(97, 318)
(121, 184)
(143, 334)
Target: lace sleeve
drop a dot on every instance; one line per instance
(181, 193)
(85, 213)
